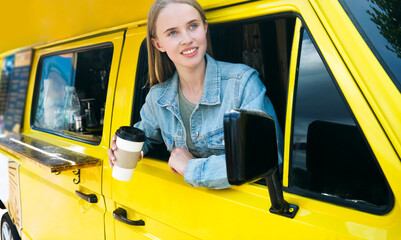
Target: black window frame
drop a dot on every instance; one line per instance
(35, 97)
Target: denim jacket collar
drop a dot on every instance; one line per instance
(211, 90)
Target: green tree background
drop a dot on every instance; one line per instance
(388, 21)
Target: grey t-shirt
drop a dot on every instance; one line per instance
(186, 109)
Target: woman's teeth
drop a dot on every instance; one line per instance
(189, 51)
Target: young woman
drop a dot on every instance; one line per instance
(190, 92)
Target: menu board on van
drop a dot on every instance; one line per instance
(6, 72)
(16, 94)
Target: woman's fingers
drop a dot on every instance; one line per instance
(110, 152)
(113, 144)
(113, 147)
(112, 158)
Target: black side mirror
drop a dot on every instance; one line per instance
(251, 145)
(251, 153)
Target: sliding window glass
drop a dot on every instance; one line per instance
(71, 92)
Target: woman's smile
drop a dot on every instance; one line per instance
(190, 52)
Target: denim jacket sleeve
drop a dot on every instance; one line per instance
(250, 93)
(207, 172)
(149, 124)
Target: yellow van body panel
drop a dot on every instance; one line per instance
(172, 209)
(37, 22)
(290, 98)
(49, 199)
(167, 204)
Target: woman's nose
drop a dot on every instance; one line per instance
(186, 37)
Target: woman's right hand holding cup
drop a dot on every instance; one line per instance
(110, 152)
(113, 147)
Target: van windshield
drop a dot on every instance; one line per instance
(379, 23)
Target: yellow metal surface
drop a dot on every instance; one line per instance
(171, 208)
(236, 213)
(290, 99)
(28, 23)
(168, 204)
(53, 196)
(122, 110)
(60, 210)
(14, 201)
(40, 21)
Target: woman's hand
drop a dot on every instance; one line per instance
(110, 152)
(179, 159)
(113, 147)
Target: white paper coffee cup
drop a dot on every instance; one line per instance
(129, 145)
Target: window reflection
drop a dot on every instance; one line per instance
(315, 99)
(379, 24)
(57, 74)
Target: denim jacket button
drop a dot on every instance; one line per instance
(196, 134)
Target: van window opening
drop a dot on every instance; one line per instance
(263, 44)
(71, 93)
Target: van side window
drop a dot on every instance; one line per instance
(264, 44)
(71, 92)
(331, 160)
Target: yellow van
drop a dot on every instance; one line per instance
(332, 71)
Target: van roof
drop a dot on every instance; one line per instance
(28, 23)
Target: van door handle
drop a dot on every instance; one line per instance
(120, 214)
(92, 198)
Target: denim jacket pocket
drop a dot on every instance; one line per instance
(215, 141)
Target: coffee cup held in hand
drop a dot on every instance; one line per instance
(129, 145)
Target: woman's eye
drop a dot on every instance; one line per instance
(172, 33)
(193, 26)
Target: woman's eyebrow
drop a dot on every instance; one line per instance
(188, 23)
(170, 29)
(192, 21)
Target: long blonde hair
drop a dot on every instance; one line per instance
(160, 66)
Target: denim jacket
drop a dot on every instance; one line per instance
(227, 86)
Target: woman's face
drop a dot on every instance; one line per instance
(181, 33)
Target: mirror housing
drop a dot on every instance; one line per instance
(251, 153)
(250, 145)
